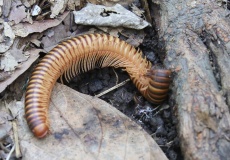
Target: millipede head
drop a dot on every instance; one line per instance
(158, 85)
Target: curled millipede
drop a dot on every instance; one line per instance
(82, 54)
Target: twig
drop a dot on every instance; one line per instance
(11, 151)
(16, 142)
(228, 139)
(169, 144)
(163, 108)
(15, 131)
(114, 87)
(154, 134)
(117, 79)
(5, 149)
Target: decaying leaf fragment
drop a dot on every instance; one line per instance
(8, 62)
(6, 7)
(7, 38)
(59, 6)
(1, 4)
(112, 2)
(34, 54)
(88, 128)
(5, 125)
(115, 16)
(24, 29)
(18, 12)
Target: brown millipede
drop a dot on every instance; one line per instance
(82, 54)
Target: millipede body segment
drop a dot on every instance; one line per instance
(82, 54)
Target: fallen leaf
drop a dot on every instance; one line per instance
(112, 31)
(6, 7)
(5, 125)
(8, 62)
(11, 58)
(57, 7)
(137, 11)
(31, 2)
(14, 108)
(85, 127)
(72, 4)
(116, 16)
(54, 36)
(18, 12)
(17, 53)
(4, 75)
(26, 3)
(28, 18)
(34, 54)
(135, 38)
(8, 38)
(24, 29)
(59, 33)
(1, 4)
(110, 3)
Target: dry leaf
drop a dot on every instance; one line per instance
(5, 125)
(57, 7)
(28, 18)
(24, 29)
(135, 38)
(34, 54)
(137, 11)
(26, 3)
(8, 62)
(31, 2)
(85, 127)
(6, 7)
(18, 12)
(112, 31)
(72, 4)
(8, 38)
(110, 3)
(4, 75)
(59, 33)
(1, 4)
(54, 36)
(116, 16)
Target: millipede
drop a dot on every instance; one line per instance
(81, 54)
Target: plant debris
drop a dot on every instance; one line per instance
(115, 16)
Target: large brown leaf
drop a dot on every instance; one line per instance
(85, 127)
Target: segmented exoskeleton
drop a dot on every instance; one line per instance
(82, 54)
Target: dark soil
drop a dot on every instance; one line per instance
(159, 121)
